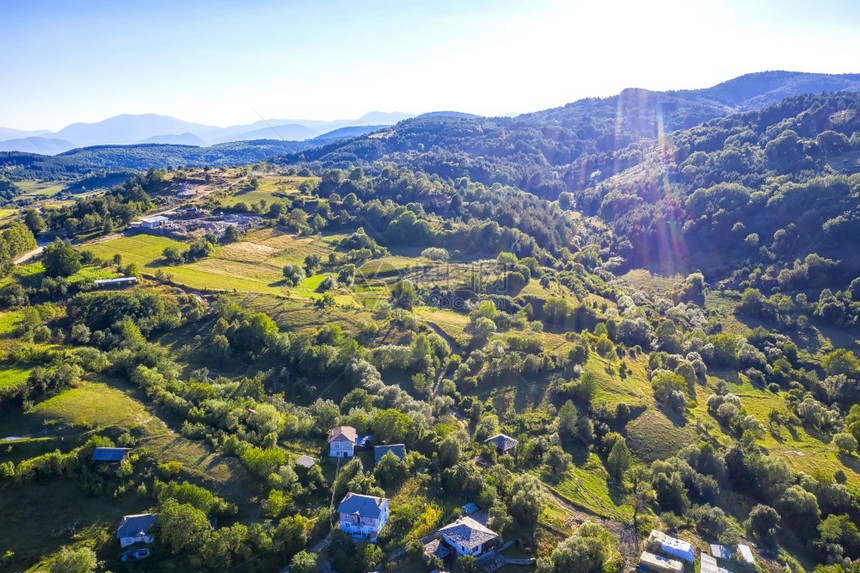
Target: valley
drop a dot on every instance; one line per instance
(585, 339)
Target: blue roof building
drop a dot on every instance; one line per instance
(398, 450)
(110, 455)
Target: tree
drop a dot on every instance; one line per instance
(640, 487)
(181, 526)
(528, 500)
(483, 328)
(467, 564)
(34, 221)
(752, 302)
(567, 419)
(841, 361)
(619, 459)
(845, 443)
(82, 560)
(670, 389)
(557, 459)
(841, 531)
(303, 562)
(392, 426)
(218, 549)
(449, 451)
(172, 255)
(368, 556)
(800, 509)
(231, 234)
(291, 535)
(390, 470)
(312, 263)
(352, 469)
(293, 274)
(586, 551)
(61, 260)
(404, 293)
(763, 522)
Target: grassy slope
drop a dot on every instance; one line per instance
(254, 264)
(67, 419)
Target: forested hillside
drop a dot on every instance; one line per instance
(570, 147)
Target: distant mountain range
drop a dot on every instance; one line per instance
(131, 129)
(545, 152)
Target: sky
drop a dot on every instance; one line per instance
(224, 62)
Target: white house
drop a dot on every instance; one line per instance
(341, 442)
(363, 515)
(153, 222)
(468, 537)
(135, 529)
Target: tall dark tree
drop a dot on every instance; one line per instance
(61, 259)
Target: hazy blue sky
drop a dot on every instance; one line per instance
(215, 62)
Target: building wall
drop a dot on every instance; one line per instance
(464, 550)
(126, 541)
(341, 448)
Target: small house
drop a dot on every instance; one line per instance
(153, 222)
(341, 442)
(746, 554)
(398, 450)
(135, 529)
(652, 562)
(671, 546)
(305, 461)
(468, 537)
(110, 456)
(504, 443)
(117, 282)
(363, 515)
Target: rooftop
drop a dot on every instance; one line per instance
(673, 546)
(109, 454)
(468, 532)
(469, 508)
(155, 219)
(660, 563)
(746, 553)
(134, 525)
(720, 551)
(436, 548)
(709, 565)
(342, 433)
(305, 461)
(398, 450)
(502, 442)
(362, 505)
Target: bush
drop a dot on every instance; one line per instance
(293, 274)
(670, 389)
(68, 560)
(846, 443)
